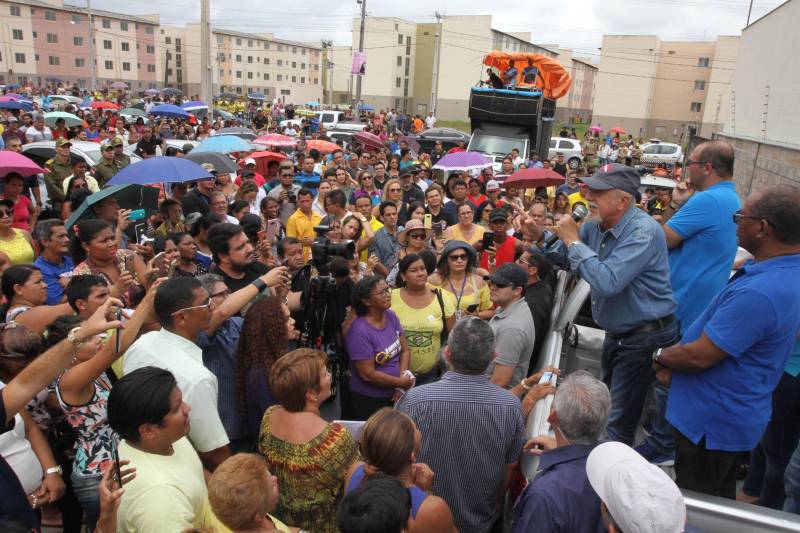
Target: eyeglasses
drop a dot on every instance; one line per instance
(738, 216)
(382, 292)
(457, 257)
(689, 162)
(394, 190)
(419, 236)
(204, 306)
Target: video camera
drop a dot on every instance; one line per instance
(322, 249)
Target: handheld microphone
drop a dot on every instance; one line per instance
(579, 214)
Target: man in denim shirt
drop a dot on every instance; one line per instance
(623, 257)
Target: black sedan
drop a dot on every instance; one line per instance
(449, 137)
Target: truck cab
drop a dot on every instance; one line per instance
(503, 119)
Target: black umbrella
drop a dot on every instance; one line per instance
(222, 163)
(244, 133)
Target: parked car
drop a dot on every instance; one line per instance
(574, 342)
(448, 136)
(331, 120)
(571, 148)
(660, 153)
(130, 150)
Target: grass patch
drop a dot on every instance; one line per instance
(460, 125)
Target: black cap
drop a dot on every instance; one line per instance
(614, 176)
(498, 213)
(509, 274)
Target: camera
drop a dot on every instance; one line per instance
(322, 249)
(292, 198)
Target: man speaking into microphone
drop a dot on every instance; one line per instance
(622, 255)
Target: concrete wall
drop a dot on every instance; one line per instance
(768, 57)
(759, 164)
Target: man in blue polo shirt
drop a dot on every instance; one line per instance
(54, 261)
(701, 238)
(307, 177)
(731, 358)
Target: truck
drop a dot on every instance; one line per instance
(518, 117)
(332, 120)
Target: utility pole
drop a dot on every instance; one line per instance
(360, 49)
(326, 73)
(92, 49)
(436, 58)
(206, 72)
(749, 11)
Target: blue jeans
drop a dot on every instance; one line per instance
(627, 368)
(85, 489)
(662, 435)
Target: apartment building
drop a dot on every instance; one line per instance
(243, 63)
(578, 103)
(45, 41)
(655, 88)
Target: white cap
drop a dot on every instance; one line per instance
(492, 185)
(640, 496)
(249, 161)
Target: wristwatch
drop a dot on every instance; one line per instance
(259, 284)
(73, 339)
(673, 205)
(657, 354)
(54, 470)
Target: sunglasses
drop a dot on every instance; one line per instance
(394, 190)
(418, 236)
(457, 257)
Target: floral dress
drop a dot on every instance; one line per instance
(96, 439)
(134, 293)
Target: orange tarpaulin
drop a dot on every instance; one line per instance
(557, 80)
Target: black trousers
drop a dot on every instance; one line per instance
(708, 471)
(362, 407)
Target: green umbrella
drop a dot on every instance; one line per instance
(69, 118)
(136, 112)
(128, 196)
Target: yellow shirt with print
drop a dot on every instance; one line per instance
(423, 329)
(299, 225)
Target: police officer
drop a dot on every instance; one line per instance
(59, 168)
(105, 169)
(122, 159)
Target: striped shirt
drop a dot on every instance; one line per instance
(471, 429)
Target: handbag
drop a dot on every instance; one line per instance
(441, 363)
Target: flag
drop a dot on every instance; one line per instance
(359, 63)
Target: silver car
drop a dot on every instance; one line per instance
(571, 148)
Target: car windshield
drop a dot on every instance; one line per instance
(492, 144)
(654, 149)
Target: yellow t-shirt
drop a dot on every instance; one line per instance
(576, 198)
(423, 329)
(375, 224)
(482, 296)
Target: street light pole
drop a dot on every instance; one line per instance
(437, 55)
(92, 48)
(206, 72)
(360, 47)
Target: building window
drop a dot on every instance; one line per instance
(76, 19)
(49, 15)
(109, 65)
(220, 39)
(266, 61)
(239, 74)
(399, 61)
(53, 60)
(302, 79)
(408, 45)
(280, 77)
(280, 48)
(106, 24)
(107, 44)
(126, 66)
(77, 41)
(151, 49)
(316, 81)
(294, 49)
(400, 39)
(266, 76)
(294, 79)
(168, 40)
(19, 58)
(36, 57)
(249, 59)
(294, 64)
(250, 43)
(16, 35)
(303, 51)
(408, 65)
(239, 58)
(703, 62)
(169, 72)
(150, 30)
(249, 75)
(151, 68)
(126, 47)
(699, 85)
(238, 42)
(696, 106)
(266, 46)
(80, 62)
(397, 82)
(302, 66)
(15, 12)
(221, 72)
(280, 62)
(123, 26)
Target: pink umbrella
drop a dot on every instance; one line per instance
(595, 128)
(369, 140)
(275, 139)
(534, 177)
(11, 96)
(14, 162)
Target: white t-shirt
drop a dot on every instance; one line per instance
(34, 135)
(430, 121)
(18, 453)
(168, 494)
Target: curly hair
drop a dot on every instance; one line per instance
(262, 341)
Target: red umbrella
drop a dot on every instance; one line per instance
(617, 130)
(14, 162)
(323, 147)
(530, 178)
(276, 139)
(104, 105)
(263, 159)
(369, 140)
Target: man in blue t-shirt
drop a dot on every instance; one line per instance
(54, 261)
(731, 358)
(701, 237)
(510, 75)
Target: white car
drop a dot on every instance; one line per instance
(571, 148)
(660, 153)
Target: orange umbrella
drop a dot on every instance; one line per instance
(617, 130)
(263, 159)
(323, 147)
(557, 80)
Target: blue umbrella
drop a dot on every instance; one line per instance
(13, 86)
(366, 107)
(193, 105)
(312, 104)
(256, 96)
(13, 104)
(171, 90)
(224, 144)
(160, 169)
(169, 110)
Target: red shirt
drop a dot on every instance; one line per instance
(21, 215)
(258, 178)
(505, 253)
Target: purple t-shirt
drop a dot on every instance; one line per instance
(366, 342)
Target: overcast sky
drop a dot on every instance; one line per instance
(577, 24)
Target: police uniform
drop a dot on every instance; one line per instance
(105, 170)
(54, 180)
(122, 160)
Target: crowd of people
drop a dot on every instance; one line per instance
(352, 342)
